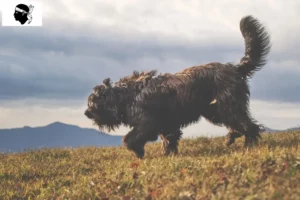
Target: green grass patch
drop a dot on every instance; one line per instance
(204, 169)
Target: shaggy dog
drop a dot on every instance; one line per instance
(166, 103)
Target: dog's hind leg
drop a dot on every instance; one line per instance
(245, 125)
(252, 134)
(170, 141)
(232, 135)
(211, 115)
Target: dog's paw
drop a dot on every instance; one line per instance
(140, 153)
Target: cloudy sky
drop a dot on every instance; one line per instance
(46, 73)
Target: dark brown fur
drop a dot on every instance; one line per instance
(167, 103)
(135, 83)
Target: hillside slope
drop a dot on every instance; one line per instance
(204, 169)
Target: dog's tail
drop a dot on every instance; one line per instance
(257, 46)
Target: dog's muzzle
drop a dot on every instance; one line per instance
(88, 114)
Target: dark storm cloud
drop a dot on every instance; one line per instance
(42, 87)
(276, 85)
(39, 63)
(111, 46)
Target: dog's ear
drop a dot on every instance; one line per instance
(135, 74)
(107, 82)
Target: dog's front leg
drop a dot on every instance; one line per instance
(136, 139)
(132, 142)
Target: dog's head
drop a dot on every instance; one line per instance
(106, 105)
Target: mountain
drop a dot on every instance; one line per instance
(269, 130)
(293, 129)
(53, 135)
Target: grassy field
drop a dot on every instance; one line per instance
(204, 169)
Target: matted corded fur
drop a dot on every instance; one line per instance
(163, 104)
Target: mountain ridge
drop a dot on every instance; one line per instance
(54, 135)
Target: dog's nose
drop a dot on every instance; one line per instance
(88, 114)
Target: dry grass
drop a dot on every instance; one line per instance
(204, 169)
